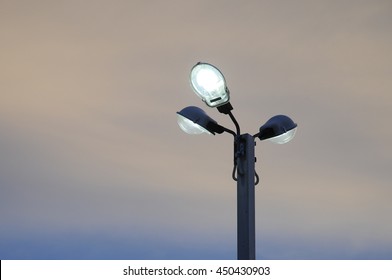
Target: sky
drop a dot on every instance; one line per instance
(94, 166)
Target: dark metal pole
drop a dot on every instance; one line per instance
(245, 156)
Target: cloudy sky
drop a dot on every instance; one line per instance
(94, 166)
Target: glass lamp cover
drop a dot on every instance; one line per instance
(189, 126)
(209, 84)
(283, 138)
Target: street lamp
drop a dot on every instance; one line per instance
(279, 129)
(209, 84)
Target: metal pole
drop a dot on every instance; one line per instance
(245, 197)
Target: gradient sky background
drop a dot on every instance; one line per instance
(94, 166)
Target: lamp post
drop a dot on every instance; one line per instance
(209, 84)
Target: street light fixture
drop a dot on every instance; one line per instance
(194, 120)
(210, 85)
(279, 129)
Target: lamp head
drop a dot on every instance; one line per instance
(194, 120)
(209, 84)
(279, 129)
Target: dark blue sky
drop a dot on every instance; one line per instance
(105, 246)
